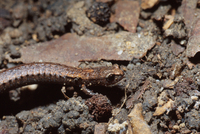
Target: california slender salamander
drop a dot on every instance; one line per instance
(56, 73)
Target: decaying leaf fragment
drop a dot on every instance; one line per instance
(146, 4)
(189, 11)
(193, 42)
(70, 49)
(164, 106)
(138, 123)
(127, 14)
(116, 127)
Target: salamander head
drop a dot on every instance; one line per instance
(111, 75)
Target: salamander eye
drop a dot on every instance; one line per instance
(110, 77)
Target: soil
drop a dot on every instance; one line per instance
(161, 82)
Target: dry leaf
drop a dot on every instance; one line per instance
(166, 107)
(71, 48)
(139, 125)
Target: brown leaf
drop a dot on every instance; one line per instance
(176, 49)
(146, 4)
(164, 104)
(127, 14)
(166, 107)
(193, 42)
(139, 125)
(188, 10)
(70, 49)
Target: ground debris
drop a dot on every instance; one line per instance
(177, 29)
(64, 116)
(164, 104)
(146, 4)
(192, 47)
(189, 12)
(81, 23)
(138, 123)
(137, 95)
(166, 107)
(127, 14)
(177, 49)
(155, 42)
(100, 128)
(99, 106)
(116, 127)
(185, 86)
(160, 13)
(9, 125)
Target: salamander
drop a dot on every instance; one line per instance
(41, 72)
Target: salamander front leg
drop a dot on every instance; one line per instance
(87, 91)
(63, 90)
